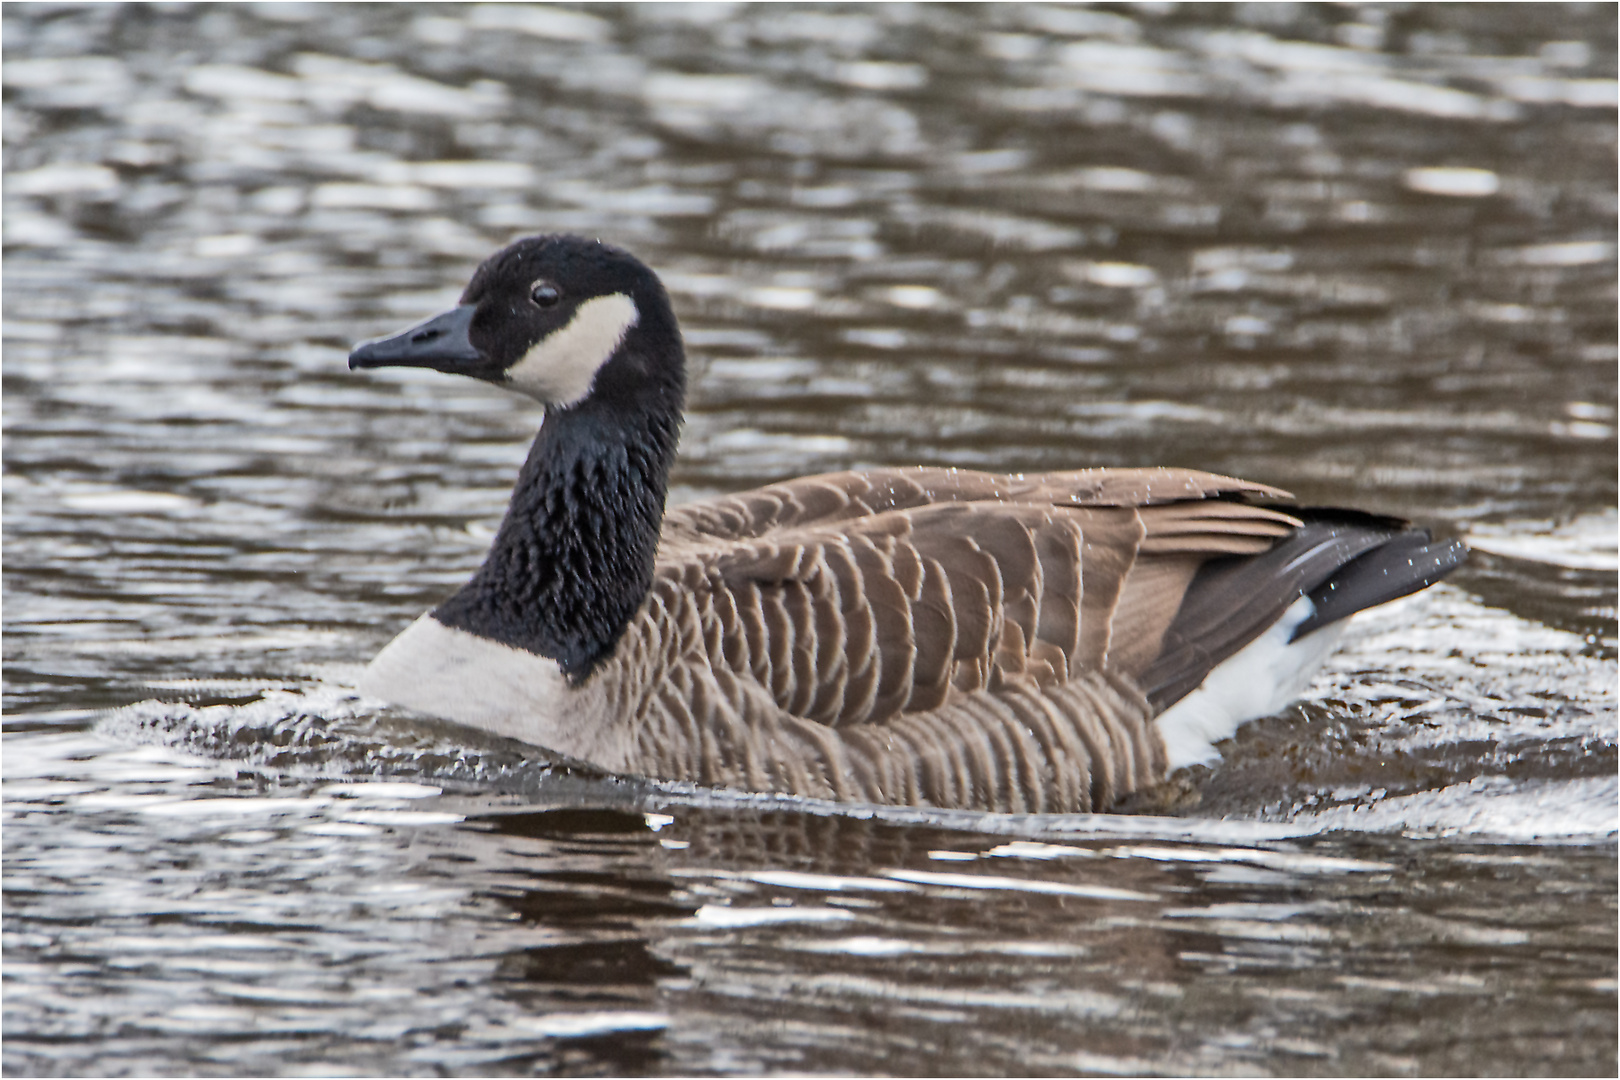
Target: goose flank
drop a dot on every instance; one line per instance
(1057, 642)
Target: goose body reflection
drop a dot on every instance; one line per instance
(1057, 642)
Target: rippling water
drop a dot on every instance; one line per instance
(1365, 253)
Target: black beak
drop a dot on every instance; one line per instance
(440, 343)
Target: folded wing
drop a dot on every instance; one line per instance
(856, 599)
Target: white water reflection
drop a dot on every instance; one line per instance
(1588, 542)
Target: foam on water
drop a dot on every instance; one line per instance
(1488, 807)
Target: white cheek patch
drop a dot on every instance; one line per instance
(560, 368)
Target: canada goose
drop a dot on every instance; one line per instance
(915, 636)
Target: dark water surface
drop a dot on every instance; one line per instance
(1364, 253)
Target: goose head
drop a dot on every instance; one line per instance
(561, 319)
(587, 330)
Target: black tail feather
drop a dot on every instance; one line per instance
(1343, 560)
(1408, 562)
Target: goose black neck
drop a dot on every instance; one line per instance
(573, 559)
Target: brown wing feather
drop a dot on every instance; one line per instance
(834, 498)
(926, 635)
(855, 599)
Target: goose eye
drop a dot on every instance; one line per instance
(545, 294)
